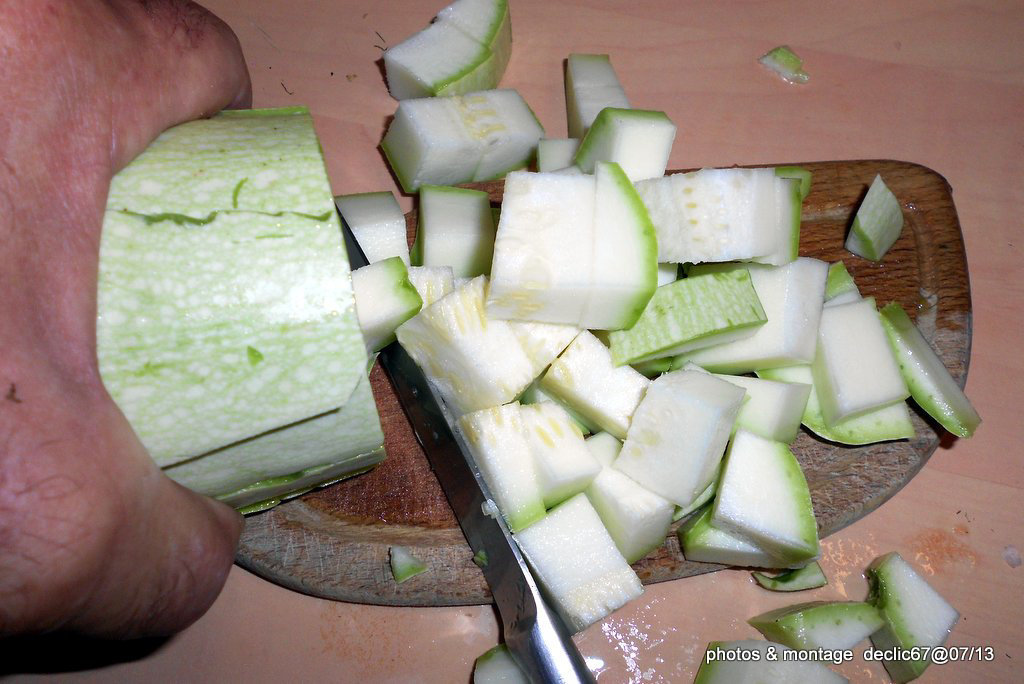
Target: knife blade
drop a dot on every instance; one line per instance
(535, 635)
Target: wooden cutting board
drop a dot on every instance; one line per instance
(334, 542)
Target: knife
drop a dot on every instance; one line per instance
(534, 634)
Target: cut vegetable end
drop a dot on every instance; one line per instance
(404, 565)
(810, 576)
(878, 223)
(784, 62)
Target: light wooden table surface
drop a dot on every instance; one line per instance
(937, 83)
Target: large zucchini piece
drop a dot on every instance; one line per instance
(226, 327)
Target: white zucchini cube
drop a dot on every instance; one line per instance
(877, 224)
(384, 300)
(486, 21)
(378, 224)
(604, 447)
(590, 86)
(496, 439)
(475, 362)
(763, 496)
(915, 614)
(563, 463)
(854, 370)
(636, 518)
(712, 214)
(556, 153)
(585, 379)
(638, 140)
(698, 405)
(773, 409)
(792, 298)
(455, 228)
(576, 561)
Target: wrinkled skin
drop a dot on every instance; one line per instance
(94, 539)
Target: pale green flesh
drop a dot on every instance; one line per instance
(450, 140)
(590, 86)
(834, 626)
(275, 463)
(877, 224)
(792, 297)
(385, 298)
(474, 362)
(563, 464)
(404, 565)
(638, 140)
(556, 153)
(787, 223)
(701, 541)
(432, 282)
(854, 369)
(455, 228)
(653, 453)
(496, 439)
(705, 496)
(930, 384)
(914, 613)
(763, 495)
(773, 409)
(604, 447)
(786, 64)
(439, 60)
(584, 378)
(576, 561)
(635, 517)
(839, 281)
(765, 669)
(497, 666)
(535, 394)
(689, 314)
(808, 577)
(880, 425)
(225, 305)
(377, 222)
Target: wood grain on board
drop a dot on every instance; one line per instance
(334, 542)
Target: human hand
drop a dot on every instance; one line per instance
(93, 537)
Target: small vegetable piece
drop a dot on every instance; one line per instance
(773, 409)
(378, 224)
(404, 565)
(713, 214)
(786, 64)
(763, 496)
(556, 153)
(832, 626)
(931, 385)
(590, 86)
(577, 562)
(787, 223)
(759, 662)
(604, 447)
(563, 464)
(497, 666)
(701, 541)
(702, 498)
(879, 425)
(454, 228)
(840, 284)
(791, 296)
(688, 314)
(797, 173)
(577, 250)
(877, 224)
(915, 614)
(638, 140)
(465, 49)
(451, 140)
(432, 282)
(854, 369)
(497, 440)
(584, 378)
(654, 454)
(636, 518)
(808, 577)
(384, 300)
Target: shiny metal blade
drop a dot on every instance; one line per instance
(534, 634)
